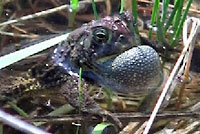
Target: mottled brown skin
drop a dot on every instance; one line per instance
(81, 50)
(94, 47)
(87, 103)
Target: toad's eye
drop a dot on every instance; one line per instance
(100, 35)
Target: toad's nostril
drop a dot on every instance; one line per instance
(122, 39)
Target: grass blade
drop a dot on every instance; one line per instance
(160, 35)
(95, 10)
(74, 4)
(177, 17)
(18, 109)
(121, 6)
(20, 124)
(178, 13)
(135, 14)
(178, 31)
(80, 88)
(79, 95)
(72, 13)
(23, 53)
(164, 10)
(154, 14)
(170, 20)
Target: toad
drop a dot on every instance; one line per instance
(111, 54)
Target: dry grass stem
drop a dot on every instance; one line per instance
(173, 74)
(18, 35)
(189, 129)
(129, 129)
(195, 31)
(43, 13)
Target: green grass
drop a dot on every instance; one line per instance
(79, 94)
(155, 13)
(135, 14)
(122, 6)
(180, 25)
(110, 95)
(170, 20)
(164, 10)
(72, 14)
(74, 4)
(176, 20)
(18, 109)
(177, 16)
(95, 10)
(80, 88)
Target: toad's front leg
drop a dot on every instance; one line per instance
(86, 104)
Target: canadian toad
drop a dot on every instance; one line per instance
(110, 54)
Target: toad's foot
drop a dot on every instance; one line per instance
(83, 101)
